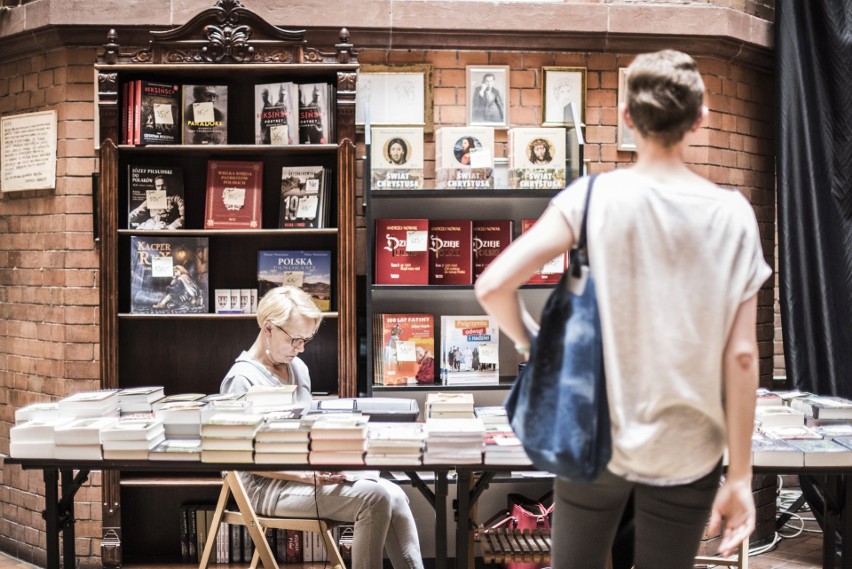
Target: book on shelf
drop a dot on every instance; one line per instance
(464, 158)
(155, 198)
(490, 238)
(205, 114)
(276, 109)
(402, 252)
(314, 113)
(157, 113)
(307, 270)
(823, 406)
(552, 271)
(396, 158)
(469, 350)
(304, 197)
(537, 158)
(234, 194)
(405, 349)
(450, 252)
(168, 275)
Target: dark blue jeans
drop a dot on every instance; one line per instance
(669, 521)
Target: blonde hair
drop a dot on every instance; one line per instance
(665, 95)
(284, 302)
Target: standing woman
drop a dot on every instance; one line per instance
(288, 320)
(677, 264)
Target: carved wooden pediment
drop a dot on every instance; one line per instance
(228, 32)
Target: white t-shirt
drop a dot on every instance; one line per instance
(671, 267)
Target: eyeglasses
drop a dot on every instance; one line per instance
(294, 341)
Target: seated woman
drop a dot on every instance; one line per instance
(288, 320)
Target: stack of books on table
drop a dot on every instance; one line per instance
(80, 439)
(454, 441)
(99, 403)
(270, 397)
(338, 438)
(395, 443)
(177, 449)
(37, 412)
(449, 406)
(501, 444)
(823, 407)
(139, 399)
(181, 415)
(229, 437)
(282, 441)
(35, 438)
(132, 438)
(778, 416)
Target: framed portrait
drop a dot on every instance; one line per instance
(626, 139)
(562, 86)
(396, 95)
(488, 95)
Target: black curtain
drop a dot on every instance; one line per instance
(814, 82)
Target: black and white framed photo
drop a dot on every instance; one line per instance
(394, 95)
(626, 137)
(561, 87)
(488, 95)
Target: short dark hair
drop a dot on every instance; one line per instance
(665, 94)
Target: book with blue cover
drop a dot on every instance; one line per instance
(307, 270)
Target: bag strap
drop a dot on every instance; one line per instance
(581, 252)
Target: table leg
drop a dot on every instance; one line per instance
(51, 516)
(846, 520)
(463, 488)
(441, 492)
(69, 489)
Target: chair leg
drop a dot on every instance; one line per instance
(332, 549)
(217, 519)
(743, 555)
(255, 529)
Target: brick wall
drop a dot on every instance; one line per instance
(48, 288)
(735, 149)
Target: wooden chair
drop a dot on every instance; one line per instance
(257, 525)
(740, 560)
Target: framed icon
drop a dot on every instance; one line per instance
(398, 95)
(561, 87)
(626, 138)
(488, 95)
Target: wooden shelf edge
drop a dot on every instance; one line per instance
(155, 482)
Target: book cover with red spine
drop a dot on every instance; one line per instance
(490, 238)
(450, 252)
(234, 192)
(401, 252)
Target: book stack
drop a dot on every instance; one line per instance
(270, 397)
(767, 451)
(177, 449)
(503, 447)
(454, 441)
(101, 403)
(181, 415)
(138, 399)
(81, 438)
(823, 407)
(395, 443)
(282, 441)
(403, 349)
(778, 416)
(229, 437)
(449, 406)
(823, 452)
(765, 397)
(132, 438)
(470, 350)
(37, 412)
(35, 438)
(338, 438)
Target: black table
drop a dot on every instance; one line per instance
(472, 480)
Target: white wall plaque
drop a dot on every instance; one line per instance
(28, 152)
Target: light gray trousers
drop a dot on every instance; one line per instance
(378, 508)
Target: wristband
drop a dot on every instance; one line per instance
(522, 349)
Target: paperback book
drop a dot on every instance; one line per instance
(450, 252)
(537, 158)
(405, 350)
(158, 112)
(314, 115)
(168, 275)
(464, 158)
(234, 195)
(490, 238)
(155, 198)
(307, 270)
(402, 255)
(276, 113)
(304, 197)
(469, 350)
(396, 158)
(205, 114)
